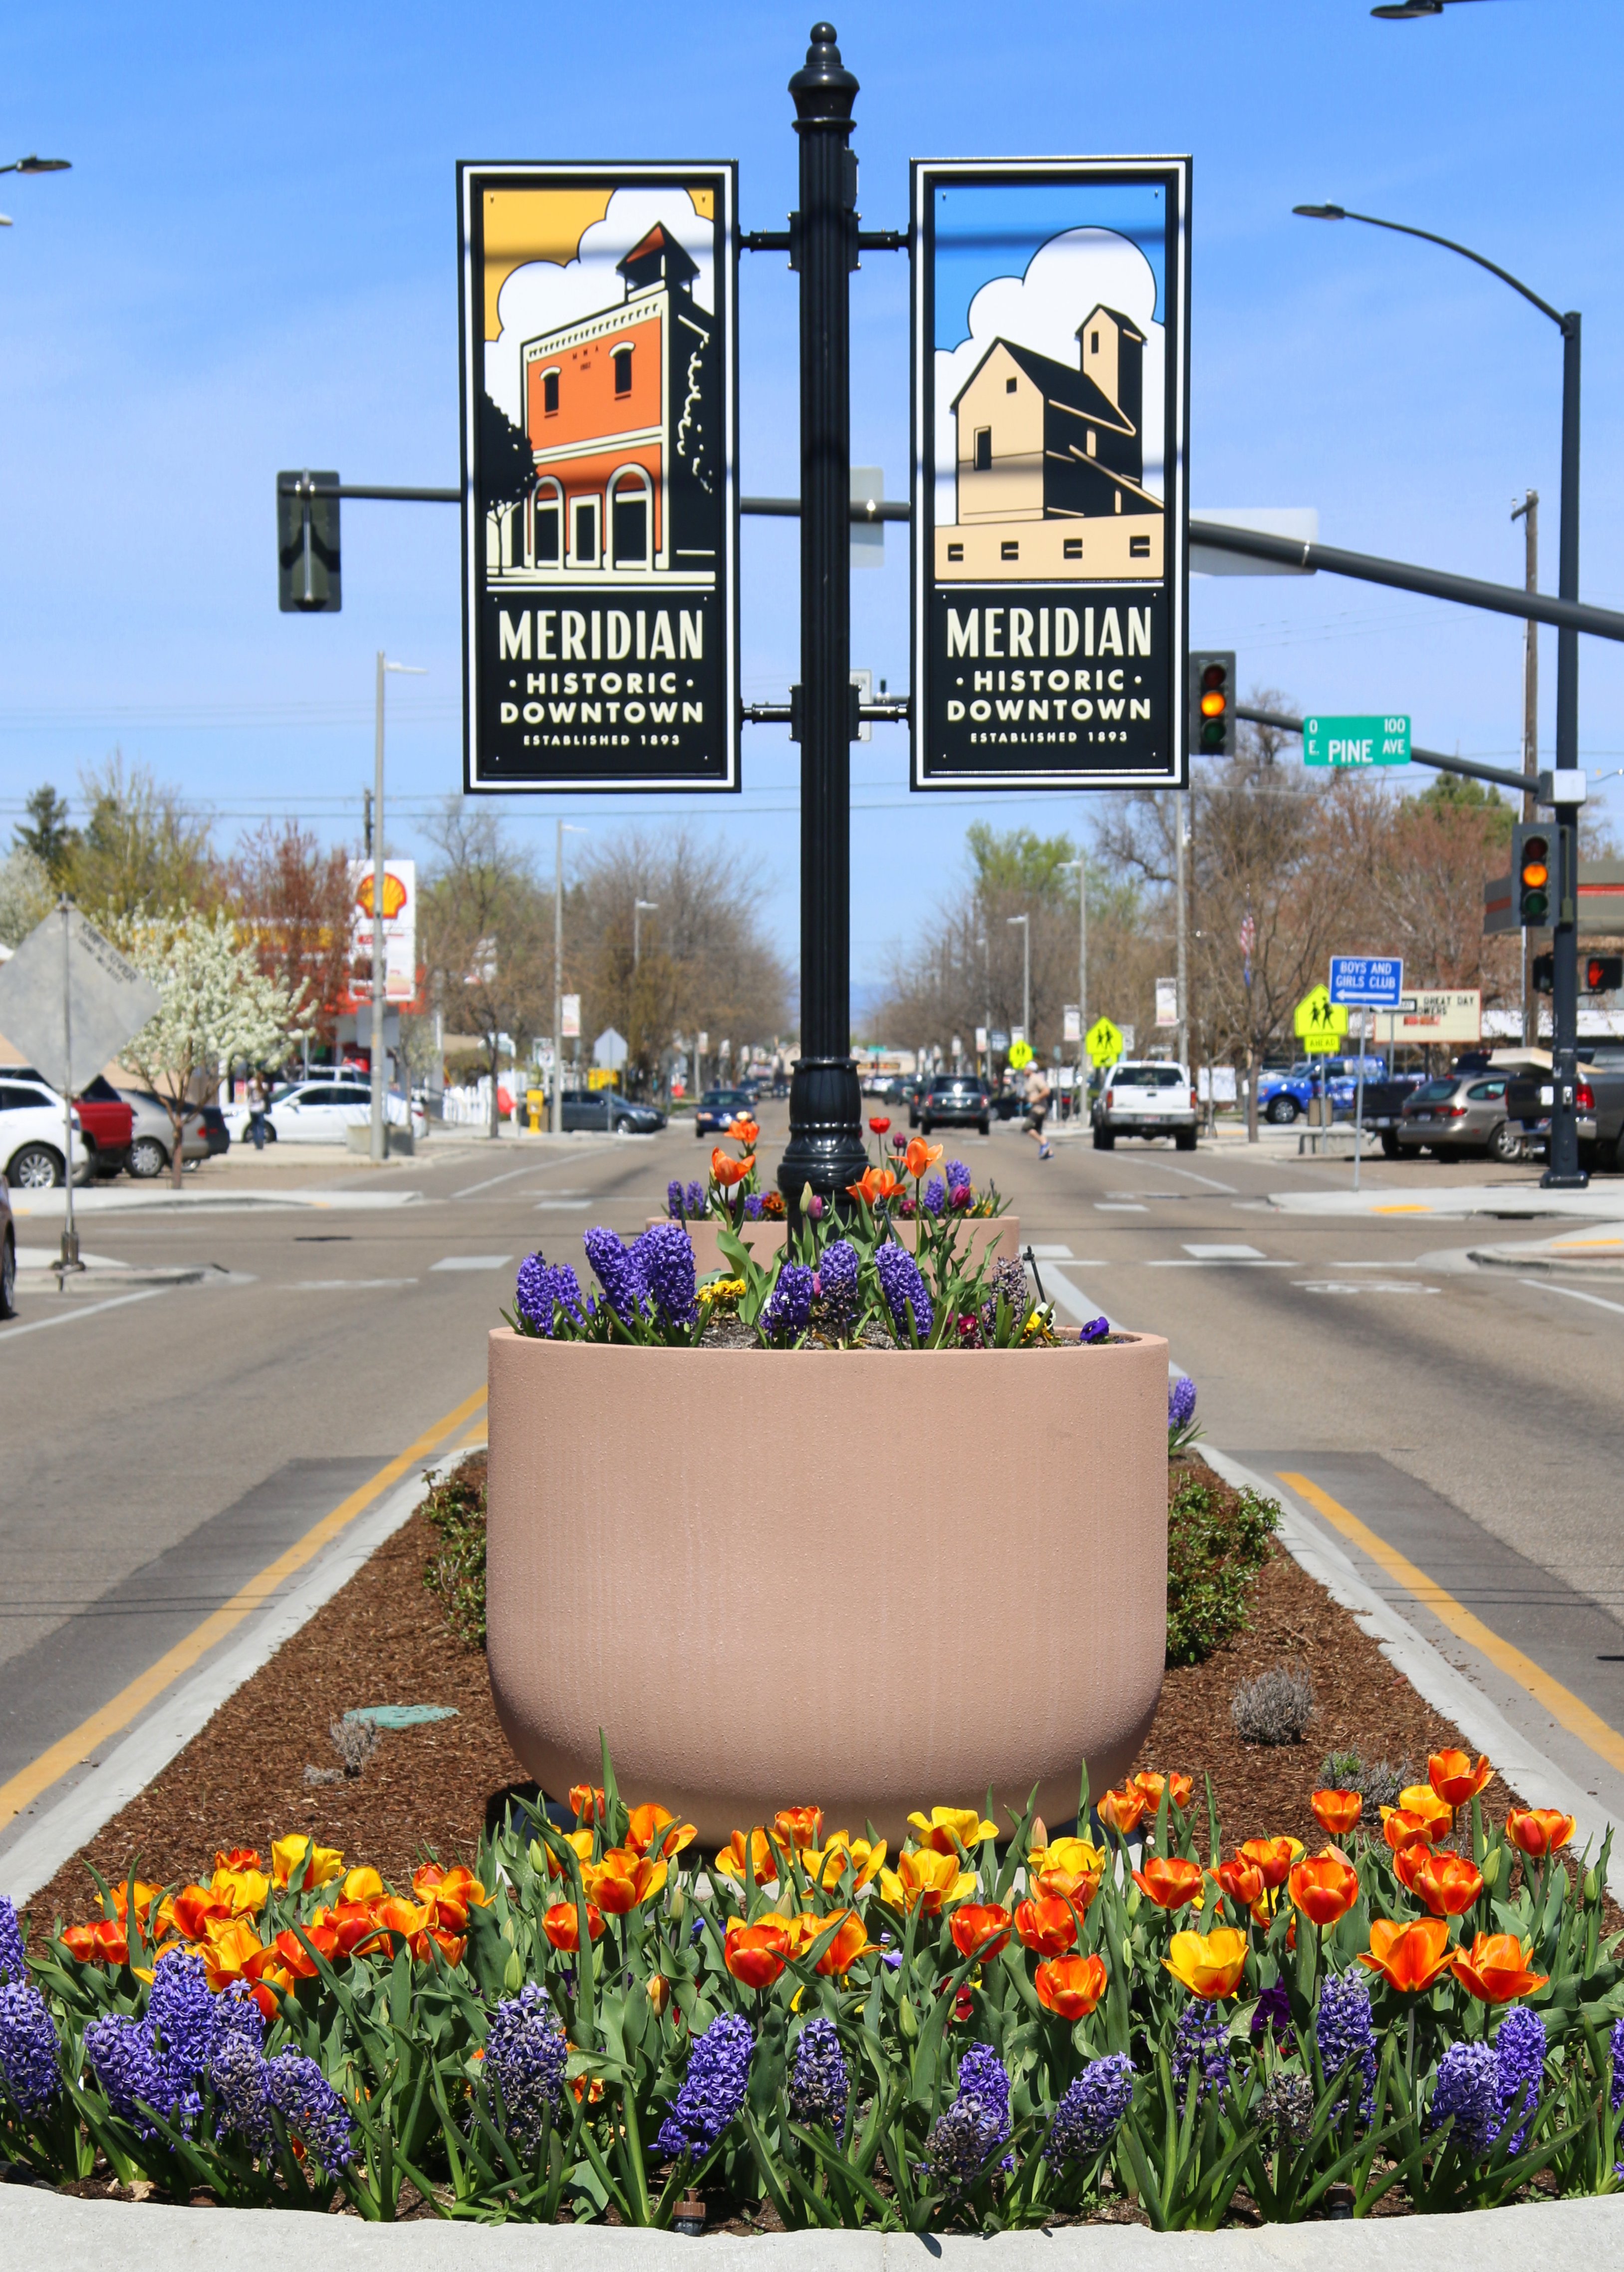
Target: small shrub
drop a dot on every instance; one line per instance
(1377, 1784)
(1275, 1708)
(455, 1573)
(1218, 1541)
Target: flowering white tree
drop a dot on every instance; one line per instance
(217, 1005)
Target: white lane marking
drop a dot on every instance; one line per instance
(1053, 1254)
(467, 1193)
(1573, 1294)
(1120, 1206)
(1211, 1181)
(472, 1262)
(1226, 1253)
(338, 1285)
(10, 1333)
(1076, 1304)
(563, 1206)
(1193, 1262)
(1361, 1285)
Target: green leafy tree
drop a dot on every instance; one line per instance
(141, 850)
(46, 834)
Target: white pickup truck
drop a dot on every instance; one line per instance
(1146, 1099)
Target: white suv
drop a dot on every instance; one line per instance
(30, 1138)
(1157, 1099)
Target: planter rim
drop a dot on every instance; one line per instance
(872, 1355)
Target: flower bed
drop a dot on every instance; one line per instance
(959, 2033)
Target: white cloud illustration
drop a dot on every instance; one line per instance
(544, 294)
(1065, 279)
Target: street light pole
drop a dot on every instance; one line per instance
(1528, 514)
(1563, 1172)
(418, 670)
(826, 1147)
(1181, 928)
(1025, 923)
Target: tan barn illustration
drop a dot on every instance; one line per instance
(1051, 464)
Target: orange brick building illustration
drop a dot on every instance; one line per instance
(620, 412)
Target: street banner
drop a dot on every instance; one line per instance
(1071, 1017)
(600, 430)
(1051, 384)
(1167, 1001)
(399, 932)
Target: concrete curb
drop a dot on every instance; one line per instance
(49, 2231)
(34, 1856)
(1428, 1673)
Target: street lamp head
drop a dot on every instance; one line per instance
(1404, 11)
(42, 166)
(1321, 213)
(411, 669)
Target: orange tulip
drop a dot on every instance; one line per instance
(1337, 1811)
(1210, 1964)
(1325, 1889)
(587, 1802)
(396, 1914)
(1178, 1787)
(190, 1911)
(562, 1926)
(743, 1130)
(581, 1840)
(1242, 1881)
(1495, 1969)
(877, 1184)
(1046, 1926)
(449, 1894)
(825, 1866)
(981, 1929)
(355, 1929)
(1455, 1779)
(1272, 1857)
(921, 1156)
(1407, 1863)
(623, 1881)
(289, 1954)
(1420, 1799)
(1070, 1987)
(755, 1953)
(728, 1171)
(851, 1942)
(238, 1857)
(1401, 1827)
(1123, 1811)
(1169, 1881)
(762, 1862)
(100, 1943)
(1447, 1883)
(1412, 1956)
(652, 1830)
(1537, 1831)
(227, 1953)
(798, 1826)
(1066, 1870)
(145, 1896)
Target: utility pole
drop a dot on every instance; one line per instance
(376, 1147)
(1528, 514)
(984, 944)
(1180, 891)
(1025, 923)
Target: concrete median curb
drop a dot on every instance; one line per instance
(47, 2231)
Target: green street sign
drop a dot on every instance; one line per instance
(1356, 741)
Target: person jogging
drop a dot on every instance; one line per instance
(1037, 1109)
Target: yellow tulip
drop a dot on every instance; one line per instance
(297, 1861)
(927, 1880)
(824, 1865)
(1067, 1869)
(362, 1885)
(1210, 1964)
(1420, 1799)
(945, 1825)
(228, 1951)
(242, 1891)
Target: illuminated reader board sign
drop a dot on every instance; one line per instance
(599, 444)
(1050, 391)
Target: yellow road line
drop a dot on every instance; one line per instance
(26, 1786)
(1564, 1707)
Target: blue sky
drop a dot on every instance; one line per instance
(983, 231)
(252, 265)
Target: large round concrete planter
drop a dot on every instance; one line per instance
(997, 1237)
(948, 1570)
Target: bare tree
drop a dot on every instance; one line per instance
(294, 901)
(487, 934)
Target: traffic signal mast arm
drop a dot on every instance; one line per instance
(1433, 758)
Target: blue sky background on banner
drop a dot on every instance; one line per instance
(252, 264)
(983, 231)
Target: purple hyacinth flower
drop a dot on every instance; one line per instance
(752, 1206)
(664, 1258)
(543, 1288)
(619, 1273)
(819, 2083)
(713, 2090)
(525, 2055)
(837, 1287)
(313, 2110)
(1468, 2089)
(903, 1289)
(674, 1202)
(13, 1960)
(958, 1177)
(1344, 2031)
(934, 1199)
(1201, 2047)
(1180, 1402)
(695, 1202)
(976, 2123)
(1090, 2114)
(789, 1306)
(1520, 2059)
(29, 2073)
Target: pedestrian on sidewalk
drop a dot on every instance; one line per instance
(256, 1110)
(1037, 1109)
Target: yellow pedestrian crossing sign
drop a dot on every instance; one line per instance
(1103, 1043)
(1319, 1022)
(1020, 1055)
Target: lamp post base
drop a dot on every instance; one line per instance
(826, 1129)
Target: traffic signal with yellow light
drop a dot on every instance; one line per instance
(1533, 873)
(307, 546)
(1212, 704)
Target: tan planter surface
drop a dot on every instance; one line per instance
(954, 1575)
(1001, 1232)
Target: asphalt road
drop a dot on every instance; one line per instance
(160, 1451)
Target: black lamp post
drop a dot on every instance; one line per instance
(1563, 1172)
(825, 1147)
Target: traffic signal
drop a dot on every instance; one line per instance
(1533, 873)
(1544, 973)
(307, 546)
(1212, 704)
(1601, 974)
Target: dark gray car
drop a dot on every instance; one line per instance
(607, 1108)
(1460, 1112)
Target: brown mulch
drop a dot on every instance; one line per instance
(382, 1640)
(1362, 1703)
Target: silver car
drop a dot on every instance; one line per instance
(1460, 1112)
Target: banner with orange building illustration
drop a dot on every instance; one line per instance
(599, 447)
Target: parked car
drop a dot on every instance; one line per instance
(8, 1254)
(204, 1134)
(103, 1115)
(954, 1100)
(1461, 1112)
(607, 1108)
(1384, 1102)
(1147, 1100)
(323, 1112)
(30, 1136)
(1599, 1097)
(716, 1109)
(1282, 1096)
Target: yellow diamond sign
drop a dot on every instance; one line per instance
(1103, 1043)
(1319, 1022)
